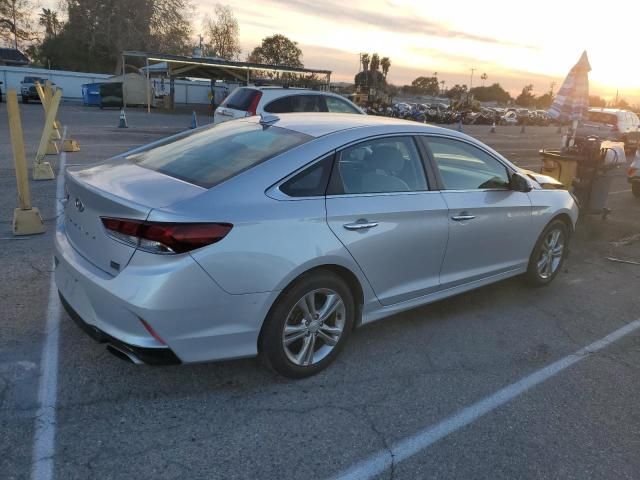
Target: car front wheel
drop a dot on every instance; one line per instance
(548, 254)
(308, 325)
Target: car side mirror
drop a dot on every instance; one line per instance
(520, 183)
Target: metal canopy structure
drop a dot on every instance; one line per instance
(219, 69)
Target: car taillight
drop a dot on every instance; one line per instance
(614, 128)
(632, 172)
(253, 106)
(163, 237)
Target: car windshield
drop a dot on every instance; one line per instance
(602, 117)
(209, 156)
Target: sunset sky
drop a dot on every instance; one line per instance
(515, 43)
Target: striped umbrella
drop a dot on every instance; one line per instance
(572, 100)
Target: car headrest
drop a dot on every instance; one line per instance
(387, 158)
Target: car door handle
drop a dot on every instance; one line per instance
(360, 225)
(463, 216)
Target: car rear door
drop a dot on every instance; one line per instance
(490, 227)
(242, 102)
(380, 207)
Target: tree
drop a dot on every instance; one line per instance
(483, 77)
(222, 34)
(544, 101)
(370, 78)
(457, 91)
(375, 62)
(492, 93)
(277, 50)
(426, 85)
(620, 103)
(365, 59)
(49, 20)
(526, 98)
(596, 101)
(385, 63)
(15, 21)
(97, 32)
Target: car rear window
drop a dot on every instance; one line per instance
(241, 98)
(602, 117)
(209, 156)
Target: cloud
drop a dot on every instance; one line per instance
(407, 24)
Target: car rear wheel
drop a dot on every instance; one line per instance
(635, 188)
(308, 325)
(25, 99)
(548, 254)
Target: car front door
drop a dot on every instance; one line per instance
(490, 227)
(380, 207)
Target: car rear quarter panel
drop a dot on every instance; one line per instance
(272, 241)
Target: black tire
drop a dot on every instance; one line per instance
(25, 100)
(271, 345)
(635, 188)
(533, 276)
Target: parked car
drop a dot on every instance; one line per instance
(0, 92)
(633, 175)
(248, 101)
(611, 124)
(509, 118)
(28, 88)
(277, 236)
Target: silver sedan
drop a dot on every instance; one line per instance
(277, 236)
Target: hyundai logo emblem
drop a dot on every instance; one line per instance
(79, 205)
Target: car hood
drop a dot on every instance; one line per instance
(545, 181)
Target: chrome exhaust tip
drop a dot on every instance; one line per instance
(123, 355)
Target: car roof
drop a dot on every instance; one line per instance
(320, 124)
(607, 110)
(276, 87)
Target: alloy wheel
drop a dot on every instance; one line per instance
(313, 327)
(551, 252)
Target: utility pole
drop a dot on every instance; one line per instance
(471, 83)
(553, 84)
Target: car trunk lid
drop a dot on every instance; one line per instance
(117, 189)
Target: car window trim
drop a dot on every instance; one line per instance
(339, 99)
(274, 190)
(424, 139)
(336, 187)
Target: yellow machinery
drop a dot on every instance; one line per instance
(562, 167)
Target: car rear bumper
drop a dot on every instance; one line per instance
(150, 356)
(196, 320)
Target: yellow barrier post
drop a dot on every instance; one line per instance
(45, 98)
(68, 144)
(42, 170)
(26, 219)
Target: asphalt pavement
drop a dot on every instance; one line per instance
(396, 378)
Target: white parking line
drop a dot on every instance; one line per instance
(620, 191)
(402, 450)
(45, 421)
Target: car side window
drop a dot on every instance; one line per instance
(280, 105)
(383, 165)
(310, 182)
(296, 103)
(338, 106)
(465, 167)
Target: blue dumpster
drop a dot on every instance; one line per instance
(91, 94)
